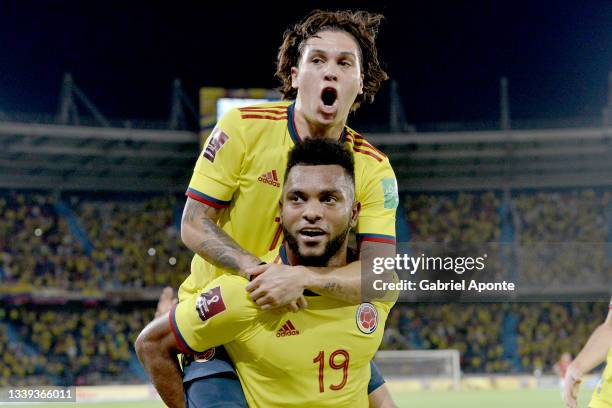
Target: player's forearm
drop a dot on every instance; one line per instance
(594, 352)
(161, 366)
(213, 244)
(349, 284)
(354, 283)
(343, 283)
(381, 398)
(167, 379)
(201, 234)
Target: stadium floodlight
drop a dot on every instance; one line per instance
(426, 366)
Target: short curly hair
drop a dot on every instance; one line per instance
(362, 25)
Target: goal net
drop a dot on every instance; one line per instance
(422, 365)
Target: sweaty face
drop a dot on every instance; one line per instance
(317, 212)
(328, 77)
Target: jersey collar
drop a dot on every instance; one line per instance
(293, 133)
(282, 253)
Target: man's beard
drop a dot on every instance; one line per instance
(331, 248)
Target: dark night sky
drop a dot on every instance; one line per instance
(447, 56)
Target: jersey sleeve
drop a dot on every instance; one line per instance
(217, 171)
(218, 314)
(379, 202)
(384, 306)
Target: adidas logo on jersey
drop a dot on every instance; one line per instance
(270, 178)
(288, 329)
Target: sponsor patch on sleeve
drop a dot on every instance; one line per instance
(389, 186)
(210, 304)
(215, 142)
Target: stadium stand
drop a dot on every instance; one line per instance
(72, 344)
(135, 243)
(40, 249)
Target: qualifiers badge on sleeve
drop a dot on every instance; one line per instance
(215, 142)
(389, 187)
(210, 304)
(367, 318)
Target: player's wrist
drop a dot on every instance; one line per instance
(248, 262)
(306, 277)
(574, 372)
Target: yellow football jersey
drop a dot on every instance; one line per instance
(319, 356)
(242, 167)
(602, 396)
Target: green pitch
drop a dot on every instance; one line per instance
(417, 399)
(490, 398)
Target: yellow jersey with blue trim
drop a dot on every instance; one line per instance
(319, 356)
(241, 169)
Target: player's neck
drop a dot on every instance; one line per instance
(309, 128)
(338, 259)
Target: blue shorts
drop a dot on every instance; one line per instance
(376, 378)
(215, 384)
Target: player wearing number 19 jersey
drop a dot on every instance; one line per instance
(319, 356)
(241, 168)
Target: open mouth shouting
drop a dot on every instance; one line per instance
(329, 99)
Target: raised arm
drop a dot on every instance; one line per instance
(201, 234)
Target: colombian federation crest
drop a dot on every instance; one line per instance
(206, 355)
(367, 318)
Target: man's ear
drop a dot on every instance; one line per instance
(355, 213)
(294, 75)
(361, 85)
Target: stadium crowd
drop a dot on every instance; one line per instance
(564, 237)
(36, 246)
(18, 367)
(453, 219)
(73, 344)
(543, 332)
(136, 244)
